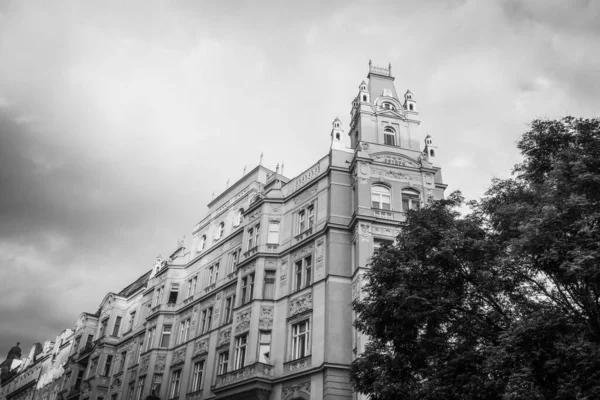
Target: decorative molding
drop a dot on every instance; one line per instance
(283, 272)
(242, 320)
(364, 232)
(161, 361)
(179, 356)
(356, 287)
(302, 252)
(302, 387)
(385, 231)
(300, 304)
(270, 262)
(116, 383)
(395, 174)
(363, 168)
(395, 159)
(144, 362)
(248, 269)
(224, 337)
(320, 252)
(266, 318)
(201, 347)
(275, 208)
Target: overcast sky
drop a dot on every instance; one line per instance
(118, 119)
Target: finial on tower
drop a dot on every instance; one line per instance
(227, 184)
(261, 157)
(336, 134)
(244, 173)
(282, 168)
(277, 168)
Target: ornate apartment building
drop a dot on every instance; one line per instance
(258, 306)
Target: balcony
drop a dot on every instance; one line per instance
(107, 340)
(272, 248)
(188, 300)
(210, 287)
(255, 372)
(304, 234)
(383, 214)
(251, 252)
(194, 395)
(84, 353)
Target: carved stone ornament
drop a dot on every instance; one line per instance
(248, 269)
(355, 287)
(274, 208)
(161, 361)
(429, 179)
(224, 337)
(270, 263)
(242, 320)
(395, 159)
(301, 304)
(395, 174)
(178, 356)
(201, 347)
(116, 383)
(364, 232)
(302, 387)
(364, 146)
(144, 362)
(307, 176)
(306, 250)
(320, 252)
(363, 168)
(385, 231)
(265, 320)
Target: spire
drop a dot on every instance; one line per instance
(261, 157)
(282, 168)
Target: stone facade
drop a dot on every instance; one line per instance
(258, 305)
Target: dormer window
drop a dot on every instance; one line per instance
(239, 217)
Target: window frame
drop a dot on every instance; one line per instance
(222, 362)
(297, 352)
(197, 378)
(262, 343)
(175, 385)
(380, 191)
(247, 290)
(240, 351)
(410, 195)
(164, 334)
(303, 272)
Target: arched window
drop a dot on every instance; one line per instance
(380, 197)
(337, 136)
(364, 97)
(239, 217)
(389, 136)
(432, 153)
(220, 231)
(202, 243)
(410, 199)
(410, 107)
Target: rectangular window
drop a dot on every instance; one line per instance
(206, 320)
(389, 139)
(150, 338)
(250, 238)
(300, 340)
(140, 388)
(131, 321)
(114, 396)
(235, 258)
(117, 326)
(156, 384)
(192, 286)
(197, 372)
(131, 391)
(303, 272)
(222, 362)
(93, 367)
(122, 361)
(184, 329)
(175, 384)
(269, 285)
(140, 351)
(264, 347)
(247, 288)
(173, 296)
(79, 379)
(107, 365)
(159, 295)
(311, 217)
(256, 234)
(216, 272)
(240, 351)
(229, 304)
(273, 234)
(301, 221)
(165, 337)
(103, 327)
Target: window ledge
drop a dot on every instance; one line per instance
(383, 214)
(251, 251)
(304, 234)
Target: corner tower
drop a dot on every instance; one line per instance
(378, 115)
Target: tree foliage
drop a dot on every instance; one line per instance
(502, 303)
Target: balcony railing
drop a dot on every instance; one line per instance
(256, 371)
(272, 248)
(251, 251)
(194, 395)
(383, 214)
(304, 234)
(85, 352)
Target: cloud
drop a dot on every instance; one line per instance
(118, 121)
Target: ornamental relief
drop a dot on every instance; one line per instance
(265, 320)
(395, 174)
(224, 337)
(362, 231)
(385, 231)
(306, 250)
(116, 384)
(248, 269)
(292, 391)
(320, 252)
(301, 304)
(179, 356)
(356, 287)
(309, 175)
(144, 362)
(242, 320)
(201, 347)
(161, 361)
(395, 159)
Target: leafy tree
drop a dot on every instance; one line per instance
(502, 303)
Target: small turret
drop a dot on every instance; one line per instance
(336, 134)
(363, 95)
(430, 149)
(409, 102)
